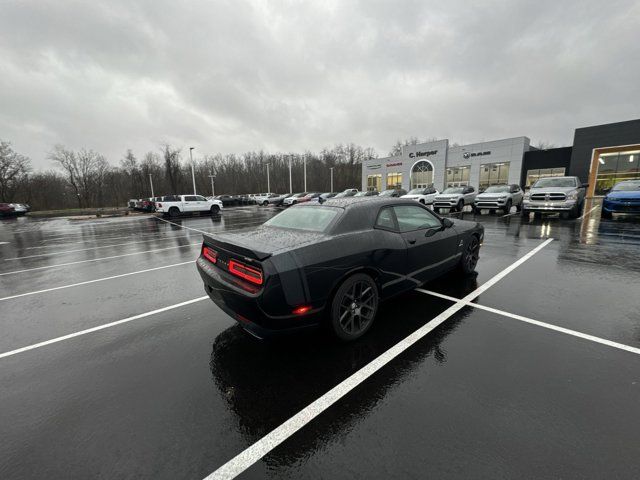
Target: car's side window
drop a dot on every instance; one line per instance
(200, 198)
(386, 219)
(415, 218)
(190, 198)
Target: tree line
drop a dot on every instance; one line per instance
(85, 179)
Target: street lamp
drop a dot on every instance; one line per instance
(331, 169)
(151, 182)
(213, 192)
(290, 183)
(193, 173)
(304, 160)
(268, 183)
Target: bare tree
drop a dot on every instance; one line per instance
(171, 159)
(544, 145)
(13, 171)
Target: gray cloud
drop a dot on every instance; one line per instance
(231, 76)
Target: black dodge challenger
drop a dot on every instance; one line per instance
(332, 263)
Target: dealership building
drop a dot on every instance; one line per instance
(601, 156)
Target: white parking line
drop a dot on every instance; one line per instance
(255, 452)
(100, 327)
(181, 226)
(97, 259)
(587, 213)
(95, 280)
(585, 336)
(62, 252)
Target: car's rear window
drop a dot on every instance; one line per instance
(312, 218)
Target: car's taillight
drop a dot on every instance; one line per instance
(210, 254)
(301, 310)
(250, 274)
(159, 205)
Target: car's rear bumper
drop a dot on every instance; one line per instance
(247, 306)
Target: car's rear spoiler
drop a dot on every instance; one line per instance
(249, 251)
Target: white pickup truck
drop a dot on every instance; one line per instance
(174, 205)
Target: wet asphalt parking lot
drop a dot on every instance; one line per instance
(113, 363)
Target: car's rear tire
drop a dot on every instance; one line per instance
(215, 209)
(265, 203)
(354, 307)
(470, 256)
(174, 211)
(606, 214)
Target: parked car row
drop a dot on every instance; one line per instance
(13, 209)
(174, 205)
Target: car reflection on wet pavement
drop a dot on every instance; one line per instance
(180, 392)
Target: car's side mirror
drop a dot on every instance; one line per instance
(585, 185)
(447, 223)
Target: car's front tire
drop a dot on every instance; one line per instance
(460, 206)
(174, 212)
(265, 203)
(470, 256)
(507, 207)
(354, 307)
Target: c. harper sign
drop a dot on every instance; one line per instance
(422, 154)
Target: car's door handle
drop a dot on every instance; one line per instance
(412, 241)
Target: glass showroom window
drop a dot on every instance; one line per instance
(493, 174)
(374, 182)
(458, 176)
(615, 167)
(422, 175)
(394, 180)
(534, 175)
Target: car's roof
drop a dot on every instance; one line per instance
(354, 202)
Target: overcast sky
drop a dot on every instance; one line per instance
(233, 76)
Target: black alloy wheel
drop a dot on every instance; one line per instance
(354, 307)
(265, 203)
(470, 256)
(215, 210)
(174, 212)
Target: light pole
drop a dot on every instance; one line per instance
(290, 183)
(151, 182)
(268, 184)
(331, 169)
(193, 173)
(304, 160)
(213, 192)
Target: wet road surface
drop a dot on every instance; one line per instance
(179, 393)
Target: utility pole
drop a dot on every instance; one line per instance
(290, 183)
(213, 192)
(305, 172)
(268, 184)
(193, 172)
(151, 182)
(331, 169)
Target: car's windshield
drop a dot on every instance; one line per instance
(454, 190)
(312, 218)
(417, 191)
(497, 189)
(555, 182)
(627, 186)
(387, 193)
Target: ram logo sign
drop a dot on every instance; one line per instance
(475, 154)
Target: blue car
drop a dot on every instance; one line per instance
(624, 197)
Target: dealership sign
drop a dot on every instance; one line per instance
(374, 167)
(422, 154)
(475, 154)
(397, 164)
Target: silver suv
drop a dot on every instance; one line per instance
(501, 197)
(454, 198)
(555, 194)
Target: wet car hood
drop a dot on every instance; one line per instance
(492, 195)
(449, 195)
(623, 195)
(553, 189)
